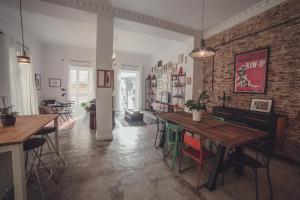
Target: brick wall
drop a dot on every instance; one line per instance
(283, 84)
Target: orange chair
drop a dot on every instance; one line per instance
(194, 149)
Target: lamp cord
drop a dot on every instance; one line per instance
(22, 25)
(202, 18)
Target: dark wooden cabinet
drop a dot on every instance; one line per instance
(269, 122)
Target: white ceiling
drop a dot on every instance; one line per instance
(61, 25)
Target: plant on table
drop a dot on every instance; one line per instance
(198, 106)
(7, 116)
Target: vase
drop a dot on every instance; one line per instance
(8, 121)
(197, 115)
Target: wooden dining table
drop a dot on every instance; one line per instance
(226, 134)
(11, 140)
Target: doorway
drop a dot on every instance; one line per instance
(127, 90)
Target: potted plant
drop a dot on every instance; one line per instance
(8, 117)
(198, 106)
(85, 106)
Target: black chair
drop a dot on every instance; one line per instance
(31, 148)
(44, 133)
(261, 160)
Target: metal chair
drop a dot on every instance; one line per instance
(31, 148)
(173, 139)
(160, 124)
(264, 151)
(194, 149)
(44, 133)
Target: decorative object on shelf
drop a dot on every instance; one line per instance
(250, 71)
(23, 58)
(64, 93)
(159, 63)
(54, 82)
(202, 51)
(261, 105)
(224, 98)
(188, 80)
(105, 78)
(149, 77)
(180, 58)
(37, 79)
(8, 117)
(198, 106)
(180, 72)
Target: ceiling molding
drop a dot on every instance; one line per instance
(103, 9)
(243, 16)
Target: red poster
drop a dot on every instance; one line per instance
(251, 72)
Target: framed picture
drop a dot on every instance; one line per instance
(54, 82)
(174, 68)
(188, 80)
(105, 78)
(169, 66)
(250, 71)
(159, 63)
(180, 58)
(261, 105)
(38, 79)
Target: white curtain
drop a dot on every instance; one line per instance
(22, 87)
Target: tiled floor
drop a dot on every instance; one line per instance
(131, 168)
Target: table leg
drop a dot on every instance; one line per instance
(56, 134)
(239, 168)
(211, 182)
(18, 172)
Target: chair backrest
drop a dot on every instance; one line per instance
(192, 141)
(264, 151)
(172, 130)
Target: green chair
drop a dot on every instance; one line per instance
(173, 139)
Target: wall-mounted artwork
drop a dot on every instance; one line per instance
(105, 78)
(174, 68)
(180, 58)
(169, 66)
(54, 82)
(250, 72)
(261, 105)
(188, 80)
(164, 69)
(38, 80)
(159, 63)
(185, 59)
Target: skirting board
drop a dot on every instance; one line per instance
(104, 137)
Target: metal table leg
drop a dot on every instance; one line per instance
(211, 182)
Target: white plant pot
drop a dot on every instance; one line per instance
(197, 115)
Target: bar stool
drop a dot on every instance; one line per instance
(44, 133)
(31, 149)
(173, 139)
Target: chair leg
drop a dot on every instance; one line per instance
(199, 165)
(256, 188)
(270, 183)
(38, 179)
(45, 167)
(59, 155)
(175, 151)
(180, 161)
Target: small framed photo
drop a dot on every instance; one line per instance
(188, 80)
(174, 68)
(54, 82)
(105, 78)
(159, 63)
(169, 66)
(180, 58)
(261, 105)
(38, 79)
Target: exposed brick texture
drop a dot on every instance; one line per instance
(283, 84)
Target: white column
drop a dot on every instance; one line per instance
(104, 53)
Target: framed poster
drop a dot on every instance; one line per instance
(105, 78)
(261, 105)
(38, 79)
(54, 82)
(250, 71)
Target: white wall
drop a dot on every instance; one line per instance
(134, 62)
(11, 29)
(56, 65)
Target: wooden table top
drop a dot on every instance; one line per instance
(26, 126)
(224, 133)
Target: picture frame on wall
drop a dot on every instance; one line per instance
(261, 105)
(38, 79)
(159, 63)
(54, 82)
(105, 78)
(180, 58)
(169, 66)
(250, 71)
(174, 68)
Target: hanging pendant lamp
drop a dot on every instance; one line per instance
(23, 58)
(202, 51)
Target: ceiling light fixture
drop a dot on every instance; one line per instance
(202, 51)
(23, 58)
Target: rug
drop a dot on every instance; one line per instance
(126, 123)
